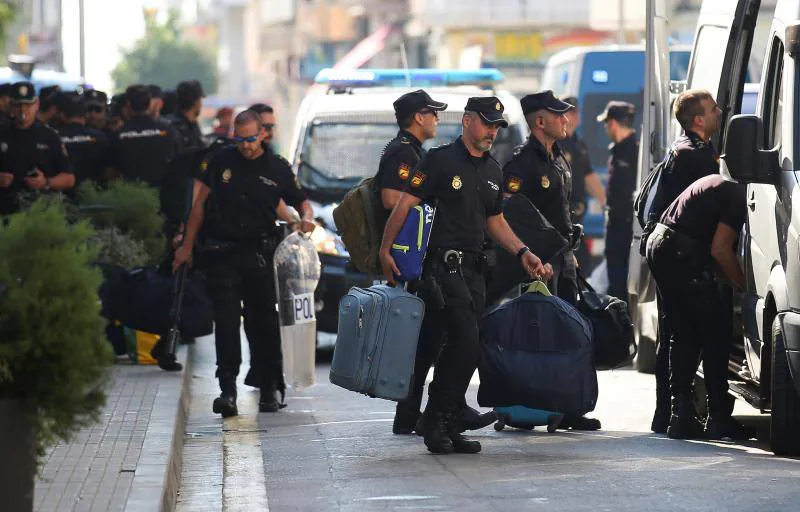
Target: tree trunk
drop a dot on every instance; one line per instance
(17, 458)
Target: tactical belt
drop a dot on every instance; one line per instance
(476, 260)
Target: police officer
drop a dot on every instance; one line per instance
(49, 98)
(32, 156)
(170, 107)
(618, 120)
(697, 233)
(189, 102)
(584, 179)
(539, 170)
(692, 157)
(237, 205)
(143, 147)
(465, 181)
(88, 147)
(117, 115)
(156, 101)
(96, 105)
(268, 121)
(5, 104)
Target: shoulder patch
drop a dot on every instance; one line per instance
(418, 179)
(514, 184)
(403, 171)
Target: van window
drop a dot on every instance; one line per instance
(707, 65)
(773, 91)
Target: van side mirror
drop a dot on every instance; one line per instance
(743, 158)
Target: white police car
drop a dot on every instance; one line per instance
(342, 126)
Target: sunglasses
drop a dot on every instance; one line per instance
(240, 140)
(268, 126)
(94, 108)
(427, 111)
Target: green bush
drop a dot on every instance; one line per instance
(53, 351)
(119, 249)
(133, 209)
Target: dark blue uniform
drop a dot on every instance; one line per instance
(619, 227)
(546, 180)
(88, 150)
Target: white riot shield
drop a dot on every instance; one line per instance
(297, 271)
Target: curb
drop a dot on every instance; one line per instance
(157, 478)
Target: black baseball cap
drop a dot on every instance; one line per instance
(191, 90)
(544, 100)
(23, 92)
(618, 111)
(489, 108)
(95, 97)
(412, 102)
(155, 91)
(572, 100)
(72, 105)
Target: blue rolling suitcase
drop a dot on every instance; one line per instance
(522, 417)
(376, 343)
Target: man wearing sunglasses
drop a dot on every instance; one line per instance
(237, 204)
(268, 122)
(96, 104)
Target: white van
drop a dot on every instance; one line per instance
(760, 149)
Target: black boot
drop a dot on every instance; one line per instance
(470, 419)
(406, 419)
(683, 423)
(661, 415)
(727, 429)
(435, 430)
(167, 362)
(225, 403)
(460, 443)
(269, 398)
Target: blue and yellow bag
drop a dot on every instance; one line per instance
(411, 243)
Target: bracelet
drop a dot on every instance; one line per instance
(523, 251)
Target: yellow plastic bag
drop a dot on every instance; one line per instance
(140, 344)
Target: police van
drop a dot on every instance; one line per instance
(760, 150)
(342, 126)
(596, 75)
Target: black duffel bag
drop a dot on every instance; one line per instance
(614, 342)
(141, 299)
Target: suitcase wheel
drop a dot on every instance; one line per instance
(499, 426)
(553, 422)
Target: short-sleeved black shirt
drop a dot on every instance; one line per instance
(23, 150)
(244, 196)
(88, 150)
(693, 159)
(399, 159)
(189, 135)
(544, 180)
(142, 149)
(622, 178)
(700, 208)
(466, 190)
(577, 154)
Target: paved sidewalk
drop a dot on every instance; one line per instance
(131, 460)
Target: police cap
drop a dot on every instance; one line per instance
(72, 105)
(544, 100)
(572, 100)
(23, 92)
(95, 97)
(190, 90)
(412, 102)
(618, 111)
(489, 108)
(155, 91)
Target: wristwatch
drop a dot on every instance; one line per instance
(522, 251)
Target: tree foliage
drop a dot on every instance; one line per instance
(8, 11)
(163, 58)
(53, 352)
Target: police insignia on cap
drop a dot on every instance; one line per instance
(456, 183)
(23, 90)
(204, 165)
(497, 106)
(545, 182)
(226, 175)
(404, 171)
(417, 180)
(514, 184)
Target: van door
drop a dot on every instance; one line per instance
(721, 52)
(652, 146)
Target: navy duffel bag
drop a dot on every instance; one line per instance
(537, 352)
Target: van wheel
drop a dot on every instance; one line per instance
(785, 424)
